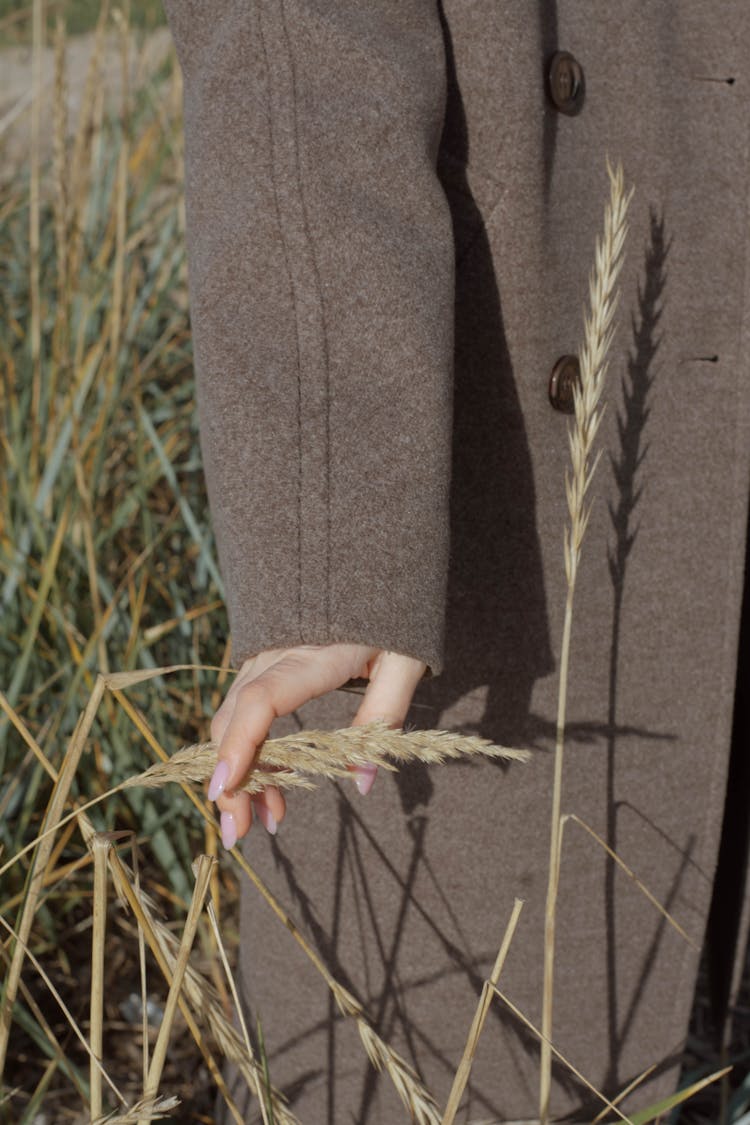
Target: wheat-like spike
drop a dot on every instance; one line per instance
(420, 1104)
(147, 1109)
(599, 328)
(327, 754)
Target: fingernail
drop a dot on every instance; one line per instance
(228, 830)
(218, 781)
(365, 778)
(267, 819)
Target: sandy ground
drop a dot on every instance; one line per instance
(145, 55)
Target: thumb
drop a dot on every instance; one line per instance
(388, 696)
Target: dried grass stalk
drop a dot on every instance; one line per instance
(60, 211)
(202, 870)
(260, 1087)
(59, 1053)
(60, 1002)
(198, 992)
(35, 327)
(100, 846)
(480, 1017)
(39, 865)
(326, 754)
(581, 1078)
(632, 875)
(598, 333)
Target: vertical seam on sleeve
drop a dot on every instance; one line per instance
(313, 434)
(277, 208)
(321, 305)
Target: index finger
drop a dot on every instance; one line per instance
(289, 683)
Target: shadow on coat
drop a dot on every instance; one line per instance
(626, 468)
(496, 615)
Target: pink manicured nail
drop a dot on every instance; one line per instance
(218, 781)
(365, 778)
(228, 830)
(267, 819)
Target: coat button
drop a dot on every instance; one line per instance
(566, 84)
(565, 373)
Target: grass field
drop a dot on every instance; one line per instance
(80, 15)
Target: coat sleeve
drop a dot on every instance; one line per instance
(321, 279)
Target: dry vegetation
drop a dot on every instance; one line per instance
(105, 549)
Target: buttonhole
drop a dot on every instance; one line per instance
(711, 78)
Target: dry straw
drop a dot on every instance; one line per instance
(317, 751)
(598, 332)
(296, 759)
(300, 757)
(202, 870)
(147, 1109)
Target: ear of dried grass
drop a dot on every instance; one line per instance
(416, 1098)
(327, 754)
(299, 758)
(598, 333)
(147, 1109)
(420, 1104)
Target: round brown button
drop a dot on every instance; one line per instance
(566, 84)
(565, 373)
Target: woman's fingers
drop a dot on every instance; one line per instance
(279, 681)
(394, 679)
(390, 690)
(250, 670)
(236, 817)
(270, 808)
(296, 676)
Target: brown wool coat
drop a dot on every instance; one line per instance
(390, 227)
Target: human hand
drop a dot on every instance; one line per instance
(276, 682)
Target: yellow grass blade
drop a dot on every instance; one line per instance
(480, 1016)
(39, 864)
(202, 869)
(668, 1104)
